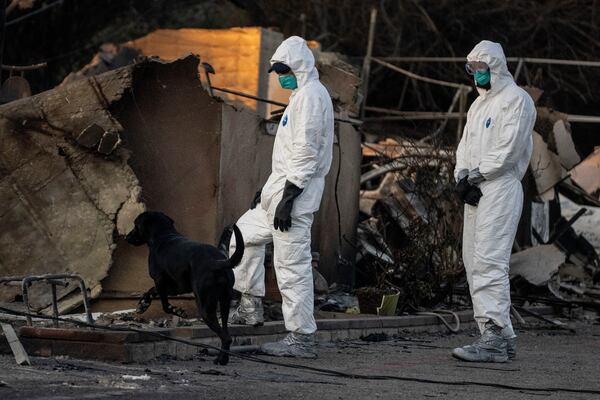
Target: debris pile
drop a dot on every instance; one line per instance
(65, 184)
(562, 264)
(409, 237)
(410, 230)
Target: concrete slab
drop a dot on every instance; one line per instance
(550, 363)
(135, 347)
(19, 352)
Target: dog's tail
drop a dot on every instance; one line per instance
(223, 245)
(237, 255)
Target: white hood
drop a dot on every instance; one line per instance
(492, 54)
(294, 53)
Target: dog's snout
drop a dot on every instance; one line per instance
(134, 238)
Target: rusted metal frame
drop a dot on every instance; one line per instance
(53, 279)
(21, 68)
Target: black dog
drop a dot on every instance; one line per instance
(178, 265)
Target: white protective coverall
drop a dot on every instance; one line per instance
(302, 154)
(498, 139)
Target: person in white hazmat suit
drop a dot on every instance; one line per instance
(491, 159)
(283, 212)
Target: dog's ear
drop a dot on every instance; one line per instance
(170, 220)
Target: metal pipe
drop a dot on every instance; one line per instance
(19, 68)
(350, 120)
(33, 13)
(86, 303)
(397, 115)
(249, 96)
(366, 69)
(533, 60)
(518, 70)
(457, 96)
(7, 279)
(420, 77)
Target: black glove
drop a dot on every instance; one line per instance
(256, 200)
(473, 196)
(468, 193)
(283, 219)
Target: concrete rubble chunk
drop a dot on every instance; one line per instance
(587, 174)
(544, 164)
(60, 195)
(19, 352)
(535, 92)
(565, 145)
(537, 264)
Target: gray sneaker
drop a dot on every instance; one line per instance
(249, 312)
(511, 348)
(490, 347)
(293, 345)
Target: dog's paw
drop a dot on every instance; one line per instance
(180, 312)
(142, 307)
(222, 359)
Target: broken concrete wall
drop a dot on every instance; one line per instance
(245, 161)
(172, 129)
(62, 201)
(201, 161)
(240, 57)
(169, 145)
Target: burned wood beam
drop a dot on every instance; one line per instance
(19, 352)
(563, 229)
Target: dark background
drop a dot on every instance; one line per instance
(68, 34)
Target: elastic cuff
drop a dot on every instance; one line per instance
(461, 174)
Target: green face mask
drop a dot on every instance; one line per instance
(482, 77)
(288, 82)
